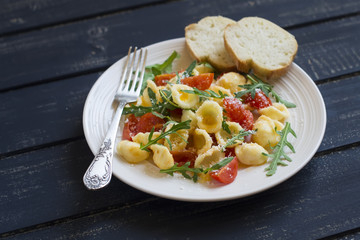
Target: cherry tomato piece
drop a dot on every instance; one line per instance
(162, 79)
(237, 113)
(201, 82)
(148, 121)
(226, 174)
(182, 157)
(145, 123)
(130, 127)
(259, 101)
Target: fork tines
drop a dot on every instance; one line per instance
(131, 81)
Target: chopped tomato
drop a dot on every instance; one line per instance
(182, 157)
(176, 113)
(237, 113)
(130, 127)
(226, 174)
(230, 152)
(201, 82)
(148, 121)
(145, 123)
(259, 101)
(162, 79)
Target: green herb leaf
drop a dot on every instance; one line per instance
(225, 126)
(185, 169)
(219, 165)
(238, 137)
(206, 94)
(176, 127)
(278, 154)
(257, 83)
(156, 69)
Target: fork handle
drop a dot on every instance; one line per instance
(98, 175)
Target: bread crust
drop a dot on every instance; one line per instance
(245, 61)
(198, 47)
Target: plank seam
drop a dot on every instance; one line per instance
(75, 217)
(84, 18)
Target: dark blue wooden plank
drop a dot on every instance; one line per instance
(18, 15)
(87, 45)
(342, 101)
(44, 185)
(321, 200)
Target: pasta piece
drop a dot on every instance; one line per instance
(143, 138)
(178, 140)
(145, 100)
(231, 80)
(266, 136)
(251, 154)
(162, 156)
(209, 158)
(189, 115)
(216, 89)
(184, 100)
(201, 141)
(131, 151)
(277, 111)
(210, 116)
(202, 68)
(222, 136)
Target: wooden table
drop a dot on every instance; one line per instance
(52, 52)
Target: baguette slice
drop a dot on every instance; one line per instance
(205, 42)
(258, 44)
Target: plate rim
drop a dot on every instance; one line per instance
(218, 198)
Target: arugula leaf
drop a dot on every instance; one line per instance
(152, 70)
(207, 93)
(160, 109)
(184, 169)
(225, 126)
(176, 127)
(189, 70)
(278, 154)
(238, 137)
(257, 83)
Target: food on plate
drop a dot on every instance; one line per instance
(196, 122)
(206, 43)
(258, 44)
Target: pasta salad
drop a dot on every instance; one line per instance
(203, 124)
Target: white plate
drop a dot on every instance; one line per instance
(308, 120)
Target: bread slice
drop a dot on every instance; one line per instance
(258, 44)
(205, 41)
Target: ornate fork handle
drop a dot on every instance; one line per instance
(98, 175)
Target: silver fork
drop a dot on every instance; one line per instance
(98, 175)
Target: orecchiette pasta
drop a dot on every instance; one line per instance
(209, 158)
(178, 140)
(222, 136)
(251, 154)
(131, 152)
(143, 138)
(145, 99)
(209, 116)
(162, 156)
(202, 68)
(277, 111)
(217, 89)
(266, 135)
(201, 140)
(189, 115)
(183, 99)
(231, 81)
